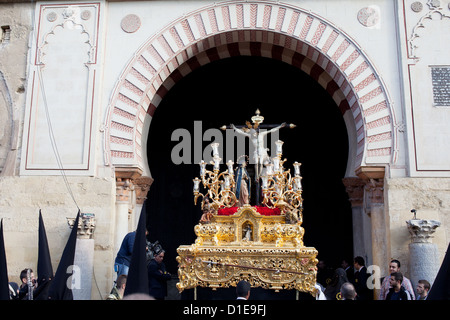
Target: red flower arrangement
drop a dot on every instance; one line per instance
(265, 211)
(227, 211)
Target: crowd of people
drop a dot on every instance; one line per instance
(156, 269)
(22, 290)
(351, 282)
(348, 282)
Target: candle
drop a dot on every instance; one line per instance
(196, 184)
(297, 168)
(269, 169)
(217, 163)
(215, 148)
(279, 145)
(276, 164)
(230, 167)
(202, 168)
(227, 182)
(298, 183)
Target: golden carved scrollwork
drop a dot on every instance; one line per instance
(206, 234)
(274, 268)
(235, 241)
(289, 233)
(263, 250)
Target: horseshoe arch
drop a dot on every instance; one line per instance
(269, 29)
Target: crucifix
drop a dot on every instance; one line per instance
(260, 154)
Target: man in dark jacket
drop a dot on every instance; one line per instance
(397, 292)
(123, 258)
(360, 280)
(157, 275)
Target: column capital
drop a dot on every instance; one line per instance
(354, 187)
(124, 187)
(422, 230)
(142, 186)
(86, 225)
(376, 191)
(124, 182)
(374, 178)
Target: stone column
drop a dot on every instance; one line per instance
(380, 245)
(423, 254)
(83, 267)
(380, 231)
(124, 201)
(362, 241)
(374, 189)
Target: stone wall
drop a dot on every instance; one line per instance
(20, 201)
(15, 22)
(431, 198)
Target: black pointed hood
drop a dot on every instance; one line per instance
(44, 265)
(441, 285)
(59, 290)
(4, 287)
(137, 280)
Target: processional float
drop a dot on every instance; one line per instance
(262, 244)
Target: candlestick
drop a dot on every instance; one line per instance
(202, 168)
(279, 145)
(230, 167)
(215, 148)
(297, 168)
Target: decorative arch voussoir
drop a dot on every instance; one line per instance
(270, 29)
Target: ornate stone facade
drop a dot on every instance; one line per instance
(377, 63)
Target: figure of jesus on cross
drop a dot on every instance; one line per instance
(260, 154)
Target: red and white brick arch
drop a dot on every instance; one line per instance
(267, 29)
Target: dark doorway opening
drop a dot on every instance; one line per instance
(229, 91)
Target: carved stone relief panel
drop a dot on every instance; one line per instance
(61, 107)
(429, 76)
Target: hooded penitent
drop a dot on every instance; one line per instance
(137, 280)
(4, 288)
(59, 288)
(44, 265)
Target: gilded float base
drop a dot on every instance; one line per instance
(264, 251)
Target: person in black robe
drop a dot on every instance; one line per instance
(440, 290)
(360, 280)
(157, 275)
